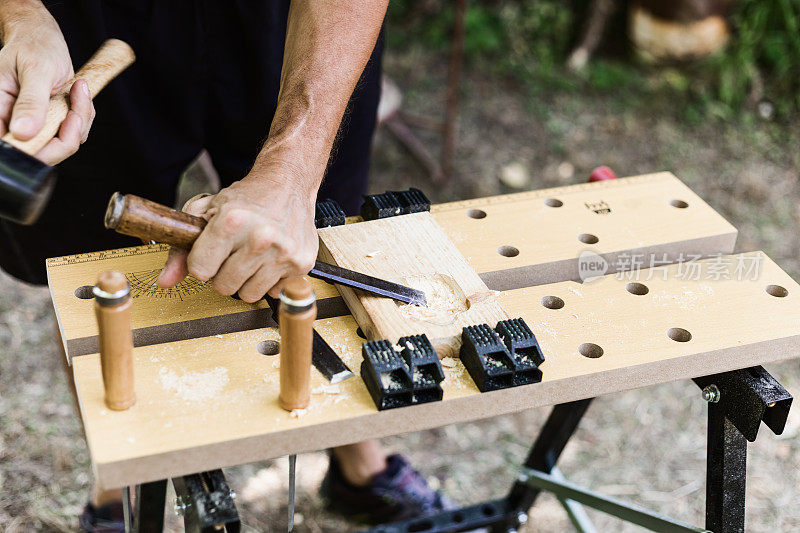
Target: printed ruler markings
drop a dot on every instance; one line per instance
(144, 284)
(90, 257)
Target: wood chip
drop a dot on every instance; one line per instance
(326, 389)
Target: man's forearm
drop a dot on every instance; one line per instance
(328, 43)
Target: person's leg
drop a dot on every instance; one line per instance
(361, 461)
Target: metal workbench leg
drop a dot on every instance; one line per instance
(557, 430)
(726, 474)
(739, 401)
(148, 512)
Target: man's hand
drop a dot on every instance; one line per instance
(259, 231)
(34, 64)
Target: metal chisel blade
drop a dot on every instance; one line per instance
(328, 362)
(323, 357)
(371, 284)
(292, 470)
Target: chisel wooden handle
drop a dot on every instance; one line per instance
(137, 217)
(111, 58)
(112, 306)
(297, 311)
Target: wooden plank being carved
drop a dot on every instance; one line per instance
(654, 215)
(411, 250)
(213, 402)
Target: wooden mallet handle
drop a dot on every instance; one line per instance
(111, 58)
(137, 217)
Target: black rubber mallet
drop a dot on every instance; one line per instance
(25, 182)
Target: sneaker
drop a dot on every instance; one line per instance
(397, 493)
(103, 519)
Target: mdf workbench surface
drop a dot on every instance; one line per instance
(211, 401)
(653, 214)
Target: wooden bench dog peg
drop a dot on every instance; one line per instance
(112, 305)
(296, 314)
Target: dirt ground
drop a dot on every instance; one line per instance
(646, 446)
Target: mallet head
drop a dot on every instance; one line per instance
(25, 185)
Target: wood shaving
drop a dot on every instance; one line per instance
(448, 362)
(326, 389)
(297, 413)
(390, 382)
(373, 254)
(194, 386)
(445, 299)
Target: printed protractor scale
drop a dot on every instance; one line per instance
(143, 283)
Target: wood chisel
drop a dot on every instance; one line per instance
(323, 357)
(138, 217)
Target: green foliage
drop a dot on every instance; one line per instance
(499, 30)
(530, 40)
(764, 56)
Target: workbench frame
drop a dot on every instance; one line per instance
(738, 402)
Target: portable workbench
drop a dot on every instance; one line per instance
(662, 300)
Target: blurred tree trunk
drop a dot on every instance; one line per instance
(678, 29)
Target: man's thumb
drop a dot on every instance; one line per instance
(175, 268)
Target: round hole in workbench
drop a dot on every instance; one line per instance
(777, 291)
(84, 292)
(679, 335)
(268, 347)
(590, 350)
(458, 518)
(476, 213)
(508, 251)
(552, 302)
(588, 238)
(553, 202)
(639, 289)
(680, 204)
(360, 333)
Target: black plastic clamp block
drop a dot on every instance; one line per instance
(486, 358)
(328, 213)
(394, 203)
(426, 369)
(413, 201)
(507, 356)
(398, 377)
(522, 343)
(386, 375)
